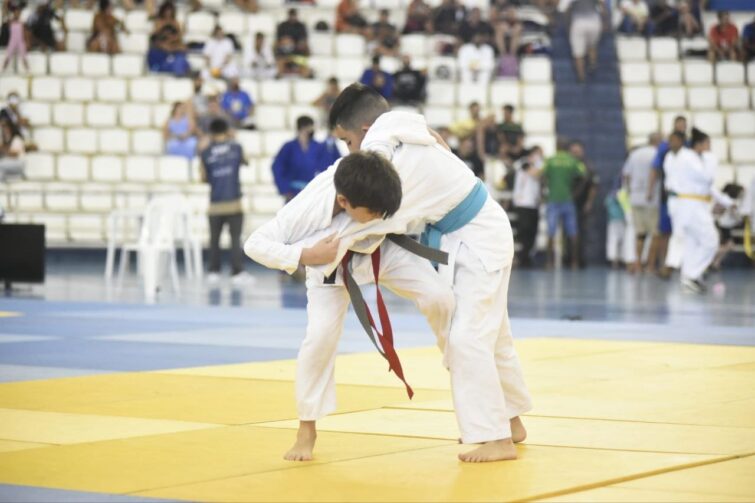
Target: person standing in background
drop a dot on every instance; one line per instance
(584, 34)
(585, 191)
(526, 199)
(16, 48)
(299, 160)
(615, 231)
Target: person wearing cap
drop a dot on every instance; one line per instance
(690, 174)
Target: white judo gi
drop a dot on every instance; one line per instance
(689, 181)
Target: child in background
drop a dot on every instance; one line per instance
(17, 40)
(615, 235)
(728, 219)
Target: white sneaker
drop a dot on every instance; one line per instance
(242, 279)
(213, 278)
(693, 285)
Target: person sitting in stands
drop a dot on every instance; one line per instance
(167, 51)
(179, 132)
(104, 28)
(723, 39)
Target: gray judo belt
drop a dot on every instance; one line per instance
(384, 339)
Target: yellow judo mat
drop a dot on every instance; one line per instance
(613, 421)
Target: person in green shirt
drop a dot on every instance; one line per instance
(559, 175)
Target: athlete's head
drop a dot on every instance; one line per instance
(700, 141)
(367, 186)
(218, 129)
(354, 111)
(676, 141)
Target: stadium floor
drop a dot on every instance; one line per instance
(641, 393)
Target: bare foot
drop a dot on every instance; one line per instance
(305, 443)
(496, 450)
(518, 432)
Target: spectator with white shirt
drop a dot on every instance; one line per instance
(476, 61)
(526, 198)
(635, 18)
(637, 169)
(219, 54)
(260, 61)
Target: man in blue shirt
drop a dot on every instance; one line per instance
(238, 104)
(301, 159)
(377, 79)
(221, 162)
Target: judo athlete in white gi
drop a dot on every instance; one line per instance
(689, 175)
(486, 378)
(303, 233)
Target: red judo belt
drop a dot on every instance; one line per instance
(385, 347)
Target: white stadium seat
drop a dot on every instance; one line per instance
(79, 19)
(12, 83)
(307, 91)
(232, 22)
(667, 73)
(702, 98)
(134, 43)
(201, 23)
(78, 89)
(441, 93)
(735, 98)
(30, 196)
(670, 97)
(112, 90)
(262, 22)
(539, 121)
(61, 197)
(173, 169)
(38, 113)
(414, 45)
(535, 69)
(251, 87)
(251, 142)
(73, 168)
(546, 142)
(148, 141)
(323, 66)
(160, 114)
(538, 95)
(296, 111)
(751, 73)
(138, 21)
(64, 64)
(469, 93)
(742, 150)
(439, 116)
(724, 174)
(97, 198)
(107, 168)
(350, 45)
(698, 73)
(135, 115)
(49, 139)
(77, 42)
(740, 123)
(641, 122)
(504, 92)
(128, 65)
(81, 140)
(46, 88)
(146, 90)
(638, 97)
(730, 73)
(114, 141)
(177, 89)
(275, 91)
(664, 49)
(274, 140)
(141, 169)
(348, 70)
(85, 228)
(37, 63)
(68, 114)
(39, 166)
(95, 65)
(745, 175)
(101, 115)
(712, 123)
(635, 73)
(720, 147)
(267, 203)
(631, 48)
(270, 117)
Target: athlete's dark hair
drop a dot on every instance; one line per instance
(368, 180)
(218, 126)
(356, 106)
(304, 121)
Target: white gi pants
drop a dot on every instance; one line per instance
(693, 220)
(486, 377)
(615, 240)
(402, 272)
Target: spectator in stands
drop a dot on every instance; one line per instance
(723, 39)
(204, 121)
(104, 27)
(584, 192)
(294, 29)
(476, 61)
(16, 48)
(689, 26)
(559, 175)
(349, 19)
(635, 16)
(260, 61)
(198, 102)
(325, 101)
(12, 113)
(220, 167)
(447, 17)
(238, 105)
(748, 41)
(12, 150)
(247, 5)
(298, 160)
(526, 199)
(584, 33)
(409, 84)
(180, 132)
(219, 55)
(474, 23)
(418, 18)
(663, 19)
(384, 36)
(167, 51)
(290, 59)
(378, 79)
(41, 33)
(510, 133)
(467, 127)
(466, 152)
(508, 32)
(637, 170)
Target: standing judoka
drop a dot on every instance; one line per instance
(689, 177)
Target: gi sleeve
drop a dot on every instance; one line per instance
(267, 245)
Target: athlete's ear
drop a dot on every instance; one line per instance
(342, 201)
